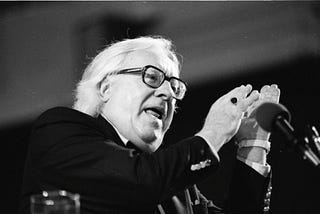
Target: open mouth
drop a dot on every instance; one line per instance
(155, 111)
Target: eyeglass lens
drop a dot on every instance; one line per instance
(155, 78)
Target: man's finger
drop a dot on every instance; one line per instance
(250, 100)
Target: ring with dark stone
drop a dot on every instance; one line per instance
(234, 100)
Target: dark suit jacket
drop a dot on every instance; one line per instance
(72, 151)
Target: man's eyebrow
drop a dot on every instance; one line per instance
(167, 72)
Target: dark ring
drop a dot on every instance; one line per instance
(234, 100)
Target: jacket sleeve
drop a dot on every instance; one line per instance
(74, 157)
(247, 191)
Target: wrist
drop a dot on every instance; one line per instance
(213, 139)
(253, 154)
(264, 144)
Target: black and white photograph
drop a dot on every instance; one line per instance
(160, 107)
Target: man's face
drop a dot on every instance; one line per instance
(133, 107)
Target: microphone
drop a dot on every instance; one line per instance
(275, 117)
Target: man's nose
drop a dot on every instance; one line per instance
(165, 91)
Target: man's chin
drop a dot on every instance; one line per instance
(150, 137)
(150, 148)
(152, 142)
(152, 122)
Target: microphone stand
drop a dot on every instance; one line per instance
(302, 145)
(312, 144)
(309, 155)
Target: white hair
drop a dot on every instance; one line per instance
(109, 61)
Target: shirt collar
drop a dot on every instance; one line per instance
(123, 139)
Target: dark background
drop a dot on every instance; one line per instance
(295, 181)
(42, 58)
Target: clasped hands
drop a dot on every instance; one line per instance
(228, 118)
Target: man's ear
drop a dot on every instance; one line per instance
(104, 91)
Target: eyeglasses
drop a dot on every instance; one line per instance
(154, 78)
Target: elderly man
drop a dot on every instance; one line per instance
(106, 147)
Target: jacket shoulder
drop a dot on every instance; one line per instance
(62, 114)
(61, 122)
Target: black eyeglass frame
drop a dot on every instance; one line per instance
(143, 70)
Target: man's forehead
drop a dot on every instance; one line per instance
(142, 58)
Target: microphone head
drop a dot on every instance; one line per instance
(267, 113)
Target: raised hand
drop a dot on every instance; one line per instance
(249, 128)
(224, 117)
